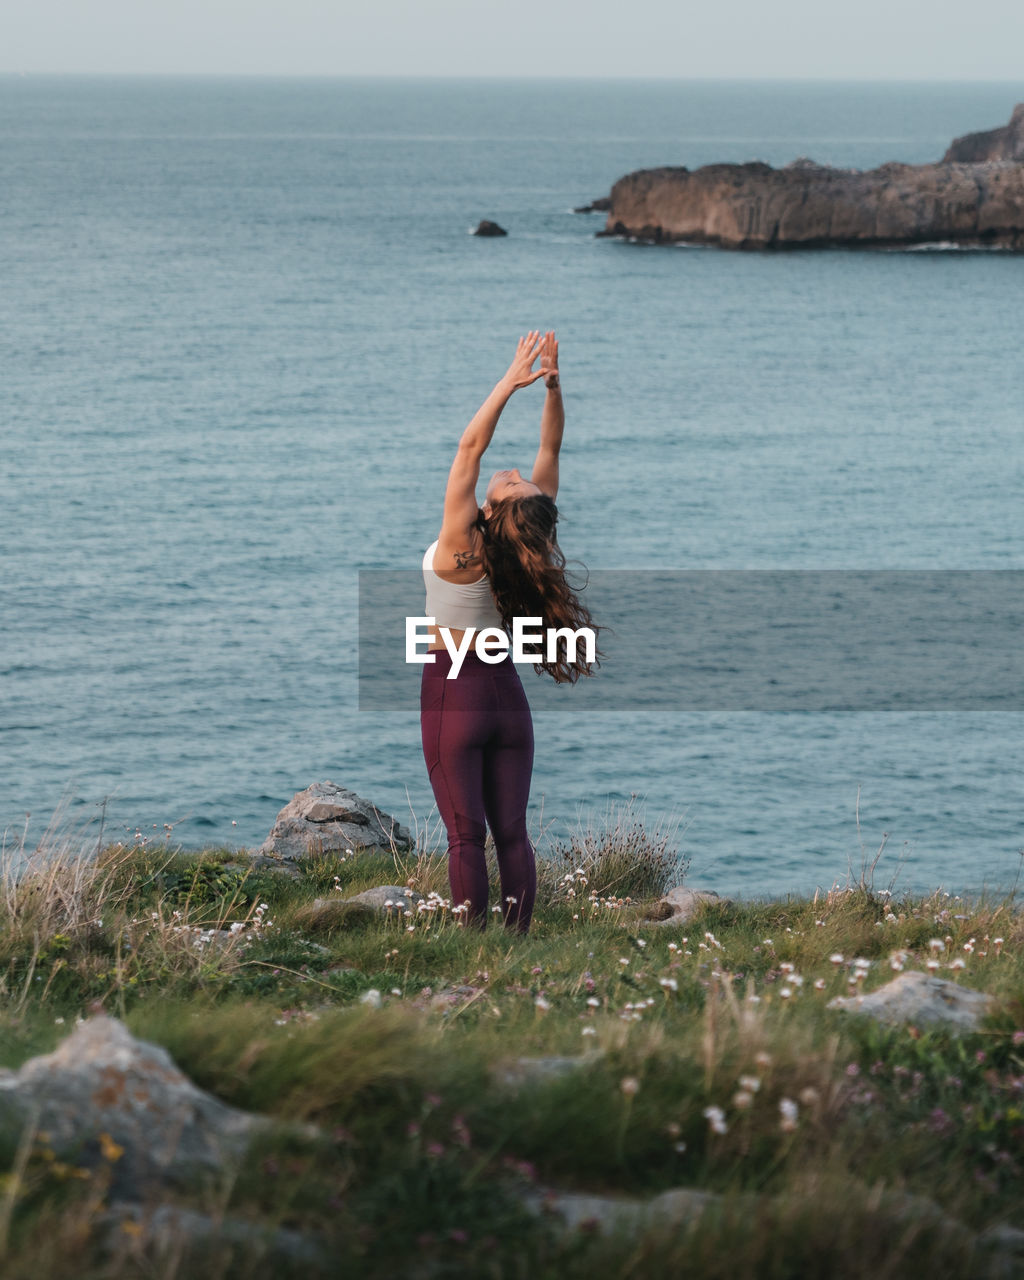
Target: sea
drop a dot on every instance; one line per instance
(242, 326)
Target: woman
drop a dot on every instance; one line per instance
(488, 566)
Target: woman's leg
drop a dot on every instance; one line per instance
(507, 771)
(454, 721)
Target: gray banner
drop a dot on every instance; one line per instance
(753, 640)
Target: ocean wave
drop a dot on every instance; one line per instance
(950, 246)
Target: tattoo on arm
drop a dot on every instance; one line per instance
(463, 559)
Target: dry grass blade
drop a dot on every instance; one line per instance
(61, 885)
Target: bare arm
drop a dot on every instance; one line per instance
(552, 421)
(460, 505)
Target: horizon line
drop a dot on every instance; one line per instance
(463, 77)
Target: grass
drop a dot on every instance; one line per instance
(707, 1059)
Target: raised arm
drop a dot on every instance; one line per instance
(552, 421)
(460, 505)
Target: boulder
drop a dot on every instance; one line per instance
(165, 1231)
(922, 1000)
(679, 905)
(523, 1071)
(681, 1207)
(753, 206)
(1004, 143)
(265, 862)
(326, 914)
(325, 818)
(580, 1211)
(388, 899)
(487, 228)
(449, 999)
(104, 1096)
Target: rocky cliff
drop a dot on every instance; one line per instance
(753, 206)
(1004, 143)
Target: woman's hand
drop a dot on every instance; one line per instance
(549, 359)
(521, 371)
(552, 420)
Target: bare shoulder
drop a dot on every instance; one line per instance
(458, 559)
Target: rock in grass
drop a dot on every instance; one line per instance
(448, 999)
(325, 914)
(522, 1071)
(325, 818)
(1004, 1239)
(105, 1098)
(265, 862)
(680, 1207)
(679, 905)
(580, 1211)
(388, 899)
(923, 1000)
(164, 1230)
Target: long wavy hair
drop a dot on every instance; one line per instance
(526, 569)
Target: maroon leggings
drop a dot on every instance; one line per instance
(478, 745)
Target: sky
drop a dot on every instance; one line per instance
(789, 39)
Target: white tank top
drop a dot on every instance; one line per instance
(459, 605)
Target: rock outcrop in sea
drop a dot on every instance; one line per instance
(974, 197)
(1004, 143)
